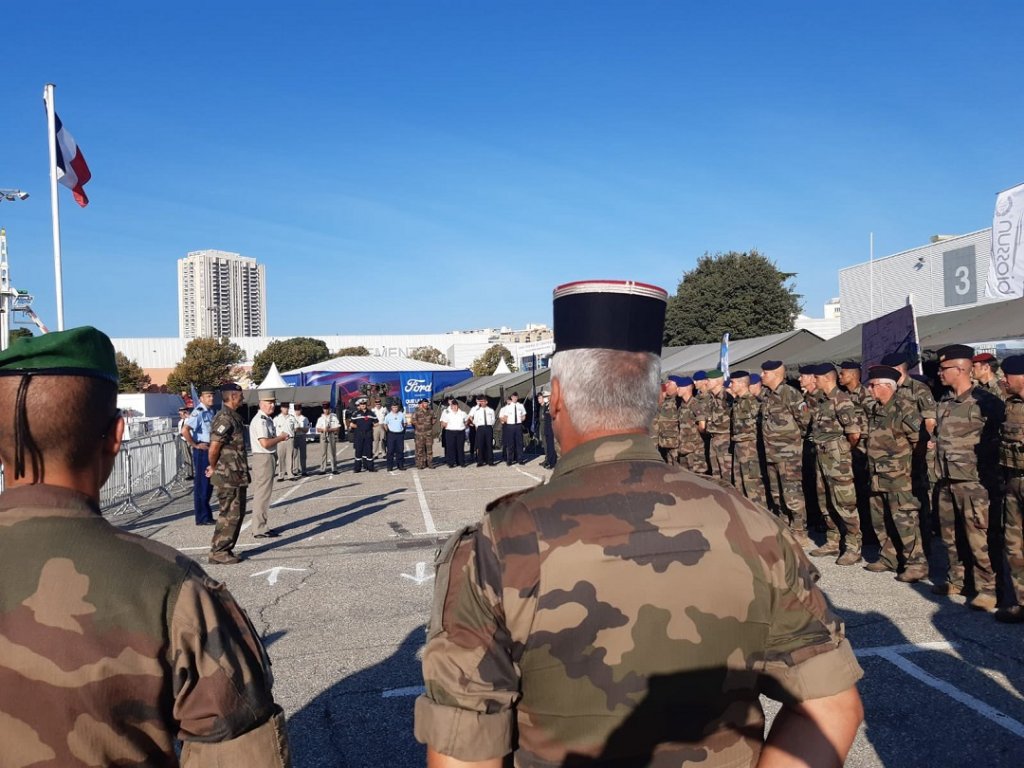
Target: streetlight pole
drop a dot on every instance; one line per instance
(6, 292)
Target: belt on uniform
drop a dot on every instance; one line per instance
(1013, 472)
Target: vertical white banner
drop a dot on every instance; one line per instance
(1006, 266)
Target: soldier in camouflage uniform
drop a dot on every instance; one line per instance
(701, 462)
(116, 647)
(1011, 458)
(849, 381)
(744, 416)
(836, 428)
(718, 427)
(229, 472)
(893, 429)
(784, 421)
(984, 368)
(666, 424)
(603, 617)
(423, 423)
(691, 422)
(966, 437)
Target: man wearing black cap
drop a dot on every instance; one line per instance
(603, 617)
(115, 646)
(513, 418)
(967, 427)
(550, 450)
(229, 472)
(784, 421)
(196, 432)
(746, 462)
(482, 418)
(850, 382)
(1011, 459)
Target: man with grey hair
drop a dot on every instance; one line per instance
(625, 580)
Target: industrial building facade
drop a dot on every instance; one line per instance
(948, 273)
(221, 294)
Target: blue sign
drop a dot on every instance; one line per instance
(415, 387)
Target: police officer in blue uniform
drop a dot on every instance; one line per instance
(196, 432)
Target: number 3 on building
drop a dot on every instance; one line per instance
(963, 276)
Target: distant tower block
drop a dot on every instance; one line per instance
(221, 294)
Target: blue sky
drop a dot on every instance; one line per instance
(406, 167)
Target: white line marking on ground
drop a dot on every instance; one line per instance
(245, 525)
(894, 655)
(291, 490)
(413, 690)
(420, 576)
(428, 519)
(532, 477)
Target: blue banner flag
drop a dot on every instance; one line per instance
(723, 357)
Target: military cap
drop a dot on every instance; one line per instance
(267, 394)
(1014, 365)
(850, 365)
(683, 381)
(325, 405)
(609, 314)
(771, 365)
(896, 358)
(715, 374)
(884, 372)
(984, 357)
(207, 389)
(230, 386)
(543, 393)
(823, 369)
(81, 351)
(955, 352)
(755, 378)
(740, 374)
(807, 370)
(482, 396)
(362, 400)
(700, 376)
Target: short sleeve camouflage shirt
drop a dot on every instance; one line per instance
(232, 470)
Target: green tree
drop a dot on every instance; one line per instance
(289, 354)
(744, 294)
(206, 361)
(131, 377)
(352, 352)
(429, 355)
(18, 333)
(488, 361)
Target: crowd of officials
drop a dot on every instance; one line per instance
(913, 458)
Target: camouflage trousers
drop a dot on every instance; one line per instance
(1013, 520)
(721, 457)
(688, 461)
(229, 519)
(670, 454)
(424, 450)
(698, 458)
(746, 471)
(785, 478)
(837, 492)
(963, 508)
(897, 507)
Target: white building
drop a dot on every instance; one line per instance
(948, 273)
(827, 326)
(221, 294)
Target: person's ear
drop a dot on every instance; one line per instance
(555, 399)
(115, 435)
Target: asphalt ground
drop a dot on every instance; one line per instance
(343, 595)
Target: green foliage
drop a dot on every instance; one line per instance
(206, 361)
(352, 352)
(429, 355)
(488, 361)
(744, 294)
(131, 377)
(289, 354)
(18, 333)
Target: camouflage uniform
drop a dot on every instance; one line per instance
(230, 479)
(666, 429)
(691, 441)
(893, 430)
(719, 426)
(423, 423)
(625, 613)
(1011, 457)
(992, 387)
(833, 420)
(917, 395)
(784, 420)
(966, 438)
(861, 478)
(116, 646)
(701, 407)
(746, 462)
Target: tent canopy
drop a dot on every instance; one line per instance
(742, 352)
(494, 385)
(306, 396)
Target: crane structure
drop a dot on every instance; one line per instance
(12, 300)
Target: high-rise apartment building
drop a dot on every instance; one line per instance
(221, 294)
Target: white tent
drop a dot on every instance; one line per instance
(502, 367)
(273, 380)
(285, 392)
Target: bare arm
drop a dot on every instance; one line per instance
(816, 733)
(437, 760)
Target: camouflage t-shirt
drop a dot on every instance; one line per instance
(624, 611)
(745, 412)
(112, 646)
(232, 470)
(894, 429)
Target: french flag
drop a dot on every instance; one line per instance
(72, 170)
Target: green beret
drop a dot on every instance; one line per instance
(715, 374)
(75, 352)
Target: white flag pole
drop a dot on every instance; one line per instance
(51, 122)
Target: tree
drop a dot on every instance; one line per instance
(131, 377)
(18, 333)
(488, 361)
(288, 355)
(429, 355)
(352, 352)
(207, 361)
(744, 294)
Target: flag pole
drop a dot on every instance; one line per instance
(51, 124)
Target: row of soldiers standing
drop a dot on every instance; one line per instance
(886, 450)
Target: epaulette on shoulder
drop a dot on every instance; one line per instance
(507, 498)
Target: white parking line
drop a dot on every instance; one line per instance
(895, 654)
(428, 519)
(532, 477)
(291, 490)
